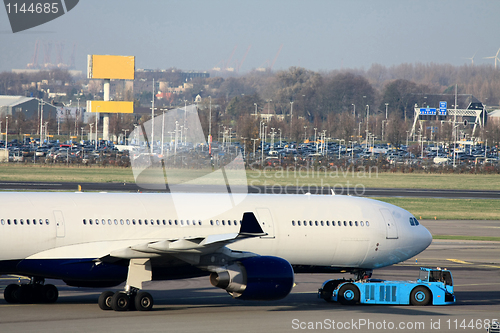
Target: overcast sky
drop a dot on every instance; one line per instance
(317, 35)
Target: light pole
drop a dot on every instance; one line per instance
(152, 118)
(386, 105)
(46, 134)
(305, 133)
(162, 131)
(367, 122)
(340, 146)
(354, 106)
(316, 139)
(76, 115)
(81, 134)
(291, 120)
(210, 121)
(272, 137)
(90, 135)
(255, 109)
(7, 134)
(279, 129)
(384, 122)
(96, 120)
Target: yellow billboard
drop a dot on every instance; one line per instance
(110, 67)
(110, 106)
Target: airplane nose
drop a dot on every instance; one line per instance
(423, 237)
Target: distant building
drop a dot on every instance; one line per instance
(12, 105)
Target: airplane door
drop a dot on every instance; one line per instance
(60, 230)
(266, 221)
(390, 226)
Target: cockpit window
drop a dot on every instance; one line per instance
(414, 221)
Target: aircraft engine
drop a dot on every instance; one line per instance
(256, 278)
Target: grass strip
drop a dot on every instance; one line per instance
(448, 209)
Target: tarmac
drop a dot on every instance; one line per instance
(193, 305)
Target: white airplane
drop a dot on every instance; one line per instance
(251, 250)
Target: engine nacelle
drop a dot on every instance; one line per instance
(256, 278)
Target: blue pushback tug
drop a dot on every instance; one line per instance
(434, 286)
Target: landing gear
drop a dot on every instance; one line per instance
(33, 292)
(326, 292)
(123, 301)
(139, 271)
(363, 274)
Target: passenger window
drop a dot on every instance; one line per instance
(367, 223)
(84, 222)
(310, 223)
(293, 223)
(223, 223)
(121, 221)
(345, 224)
(211, 222)
(298, 223)
(164, 222)
(47, 221)
(3, 222)
(40, 222)
(327, 223)
(316, 223)
(8, 221)
(15, 221)
(169, 222)
(350, 223)
(145, 221)
(356, 223)
(199, 222)
(182, 222)
(322, 224)
(361, 223)
(90, 221)
(153, 222)
(133, 221)
(139, 221)
(217, 222)
(28, 221)
(175, 222)
(116, 222)
(21, 221)
(128, 222)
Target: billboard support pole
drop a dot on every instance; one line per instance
(105, 117)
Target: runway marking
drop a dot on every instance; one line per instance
(460, 261)
(490, 266)
(476, 284)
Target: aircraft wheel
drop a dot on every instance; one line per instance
(25, 294)
(327, 291)
(348, 294)
(143, 301)
(49, 293)
(105, 300)
(120, 301)
(10, 293)
(420, 296)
